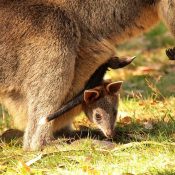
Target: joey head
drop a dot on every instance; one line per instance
(101, 106)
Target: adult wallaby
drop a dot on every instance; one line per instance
(50, 48)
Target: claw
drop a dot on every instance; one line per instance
(171, 53)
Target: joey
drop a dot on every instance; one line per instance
(101, 106)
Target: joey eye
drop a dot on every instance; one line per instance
(98, 117)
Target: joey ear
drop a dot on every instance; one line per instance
(114, 87)
(90, 95)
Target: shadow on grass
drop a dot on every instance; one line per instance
(133, 132)
(123, 134)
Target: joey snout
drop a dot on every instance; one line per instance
(109, 133)
(105, 123)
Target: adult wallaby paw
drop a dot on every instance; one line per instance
(171, 53)
(27, 140)
(38, 140)
(26, 146)
(39, 144)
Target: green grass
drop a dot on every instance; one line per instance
(147, 96)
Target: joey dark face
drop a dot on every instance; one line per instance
(101, 106)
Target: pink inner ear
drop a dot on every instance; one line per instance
(114, 87)
(91, 95)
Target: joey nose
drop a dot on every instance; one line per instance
(109, 133)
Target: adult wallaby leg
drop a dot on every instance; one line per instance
(38, 46)
(46, 90)
(48, 81)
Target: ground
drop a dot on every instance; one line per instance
(145, 139)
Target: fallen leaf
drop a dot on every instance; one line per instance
(146, 69)
(166, 119)
(154, 103)
(126, 120)
(24, 167)
(141, 104)
(138, 121)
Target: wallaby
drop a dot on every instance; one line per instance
(50, 48)
(101, 106)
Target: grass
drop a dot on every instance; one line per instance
(144, 145)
